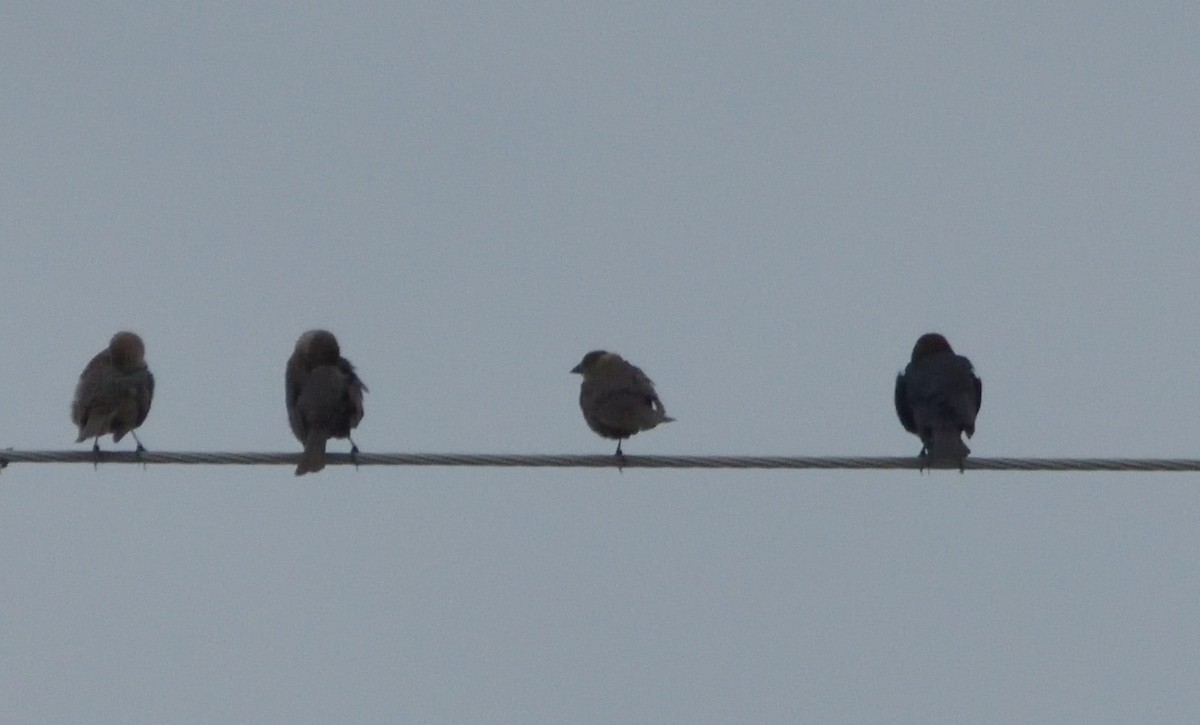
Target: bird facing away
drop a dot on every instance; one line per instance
(324, 397)
(114, 392)
(616, 397)
(937, 399)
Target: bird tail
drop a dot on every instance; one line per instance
(947, 448)
(90, 427)
(313, 458)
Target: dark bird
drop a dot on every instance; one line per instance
(324, 397)
(616, 397)
(114, 392)
(937, 399)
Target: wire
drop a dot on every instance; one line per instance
(576, 461)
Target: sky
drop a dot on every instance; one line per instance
(763, 205)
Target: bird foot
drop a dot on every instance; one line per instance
(620, 457)
(926, 462)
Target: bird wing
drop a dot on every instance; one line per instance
(626, 409)
(144, 396)
(293, 381)
(903, 406)
(354, 392)
(89, 386)
(965, 391)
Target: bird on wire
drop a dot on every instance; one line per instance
(618, 400)
(324, 397)
(114, 392)
(937, 399)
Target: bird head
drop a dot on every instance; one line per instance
(931, 343)
(127, 350)
(593, 361)
(319, 347)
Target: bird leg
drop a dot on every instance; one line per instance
(137, 452)
(620, 458)
(353, 452)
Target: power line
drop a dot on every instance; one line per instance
(577, 461)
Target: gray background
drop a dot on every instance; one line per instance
(762, 204)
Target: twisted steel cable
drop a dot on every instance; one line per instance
(594, 461)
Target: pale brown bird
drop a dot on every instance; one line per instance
(937, 398)
(114, 392)
(324, 397)
(616, 397)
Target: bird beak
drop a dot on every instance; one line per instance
(578, 369)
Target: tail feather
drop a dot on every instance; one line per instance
(313, 458)
(947, 448)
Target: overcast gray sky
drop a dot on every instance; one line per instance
(761, 204)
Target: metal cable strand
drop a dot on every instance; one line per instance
(593, 461)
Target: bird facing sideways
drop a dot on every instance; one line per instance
(114, 392)
(937, 398)
(324, 397)
(617, 398)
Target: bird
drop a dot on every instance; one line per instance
(937, 399)
(617, 398)
(114, 392)
(324, 397)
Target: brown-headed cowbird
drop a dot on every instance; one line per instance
(114, 392)
(937, 399)
(617, 398)
(324, 397)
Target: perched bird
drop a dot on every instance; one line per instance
(324, 397)
(617, 398)
(114, 392)
(937, 399)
